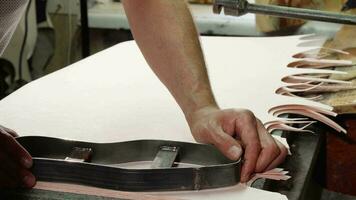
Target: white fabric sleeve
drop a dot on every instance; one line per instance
(11, 12)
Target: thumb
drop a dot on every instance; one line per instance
(226, 144)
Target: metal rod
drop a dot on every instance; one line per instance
(308, 14)
(85, 28)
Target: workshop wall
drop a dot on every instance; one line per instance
(68, 43)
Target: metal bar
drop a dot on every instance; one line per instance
(85, 28)
(79, 154)
(241, 7)
(308, 14)
(165, 157)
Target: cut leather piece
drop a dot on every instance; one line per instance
(212, 169)
(319, 88)
(314, 115)
(328, 61)
(283, 126)
(274, 174)
(302, 84)
(292, 89)
(312, 98)
(311, 86)
(289, 126)
(315, 63)
(316, 75)
(304, 79)
(316, 52)
(319, 53)
(291, 122)
(291, 94)
(276, 109)
(283, 141)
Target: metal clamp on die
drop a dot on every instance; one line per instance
(241, 7)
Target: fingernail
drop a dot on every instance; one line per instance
(29, 181)
(235, 152)
(26, 163)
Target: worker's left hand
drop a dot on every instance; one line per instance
(235, 130)
(15, 162)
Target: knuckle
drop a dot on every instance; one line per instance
(272, 149)
(283, 151)
(248, 112)
(217, 139)
(247, 116)
(5, 135)
(205, 135)
(260, 123)
(256, 145)
(2, 132)
(275, 151)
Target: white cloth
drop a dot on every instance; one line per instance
(11, 12)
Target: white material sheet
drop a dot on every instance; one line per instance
(114, 96)
(240, 192)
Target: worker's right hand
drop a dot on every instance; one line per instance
(235, 130)
(15, 162)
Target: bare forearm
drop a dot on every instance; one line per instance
(167, 37)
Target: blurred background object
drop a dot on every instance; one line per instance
(271, 24)
(16, 57)
(201, 1)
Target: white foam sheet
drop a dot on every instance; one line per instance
(240, 192)
(114, 96)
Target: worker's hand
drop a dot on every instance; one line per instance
(15, 162)
(233, 130)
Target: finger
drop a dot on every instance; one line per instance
(9, 166)
(28, 180)
(9, 131)
(280, 158)
(247, 130)
(225, 143)
(270, 150)
(13, 174)
(13, 148)
(6, 181)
